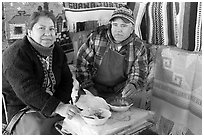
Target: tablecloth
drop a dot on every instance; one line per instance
(119, 123)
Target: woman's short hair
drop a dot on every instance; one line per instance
(36, 15)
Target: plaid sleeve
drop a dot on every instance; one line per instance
(84, 64)
(139, 70)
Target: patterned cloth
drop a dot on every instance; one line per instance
(161, 23)
(177, 91)
(139, 12)
(174, 23)
(45, 56)
(91, 53)
(123, 12)
(190, 26)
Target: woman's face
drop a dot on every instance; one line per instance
(121, 30)
(43, 32)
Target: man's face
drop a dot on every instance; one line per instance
(121, 30)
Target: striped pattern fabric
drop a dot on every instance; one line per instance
(161, 23)
(174, 23)
(139, 9)
(190, 26)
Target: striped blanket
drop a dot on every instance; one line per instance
(172, 23)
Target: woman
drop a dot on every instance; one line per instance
(36, 74)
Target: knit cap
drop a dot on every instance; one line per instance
(123, 12)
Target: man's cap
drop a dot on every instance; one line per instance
(123, 12)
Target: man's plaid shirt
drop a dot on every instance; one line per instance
(91, 53)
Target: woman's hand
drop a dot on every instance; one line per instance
(67, 110)
(128, 90)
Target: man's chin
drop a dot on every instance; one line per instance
(46, 44)
(118, 40)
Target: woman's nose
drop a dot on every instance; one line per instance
(47, 32)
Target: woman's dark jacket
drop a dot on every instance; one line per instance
(23, 78)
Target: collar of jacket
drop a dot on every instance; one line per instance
(43, 51)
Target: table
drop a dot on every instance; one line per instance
(129, 122)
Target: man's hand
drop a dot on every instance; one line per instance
(128, 90)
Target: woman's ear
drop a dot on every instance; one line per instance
(29, 32)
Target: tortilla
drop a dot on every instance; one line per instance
(90, 101)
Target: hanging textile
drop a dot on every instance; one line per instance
(190, 26)
(139, 9)
(161, 23)
(177, 91)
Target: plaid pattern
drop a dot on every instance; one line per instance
(91, 53)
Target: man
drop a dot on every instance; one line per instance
(113, 60)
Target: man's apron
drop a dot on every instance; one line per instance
(110, 76)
